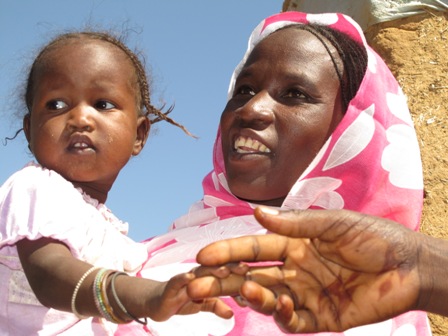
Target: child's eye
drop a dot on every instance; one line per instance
(104, 105)
(56, 105)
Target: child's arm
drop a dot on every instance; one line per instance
(54, 273)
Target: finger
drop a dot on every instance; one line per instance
(248, 248)
(292, 319)
(258, 298)
(218, 271)
(238, 268)
(217, 307)
(221, 271)
(327, 225)
(266, 276)
(213, 305)
(285, 316)
(300, 223)
(177, 282)
(209, 286)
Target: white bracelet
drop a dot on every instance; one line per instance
(75, 293)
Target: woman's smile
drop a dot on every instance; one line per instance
(248, 145)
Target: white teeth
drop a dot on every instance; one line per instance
(264, 149)
(80, 145)
(239, 142)
(249, 145)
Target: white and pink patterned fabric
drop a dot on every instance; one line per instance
(371, 163)
(36, 202)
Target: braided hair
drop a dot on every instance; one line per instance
(143, 98)
(351, 52)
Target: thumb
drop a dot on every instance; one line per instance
(322, 224)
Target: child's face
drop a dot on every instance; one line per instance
(84, 122)
(285, 105)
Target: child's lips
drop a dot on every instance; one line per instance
(81, 147)
(81, 144)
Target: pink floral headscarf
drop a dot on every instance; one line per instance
(371, 163)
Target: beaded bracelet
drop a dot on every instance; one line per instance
(75, 293)
(144, 320)
(97, 295)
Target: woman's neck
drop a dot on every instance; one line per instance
(277, 202)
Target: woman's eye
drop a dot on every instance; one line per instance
(245, 90)
(294, 93)
(56, 105)
(104, 105)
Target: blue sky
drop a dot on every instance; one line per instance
(191, 48)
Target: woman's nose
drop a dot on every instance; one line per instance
(81, 117)
(258, 111)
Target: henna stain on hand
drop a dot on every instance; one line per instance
(339, 295)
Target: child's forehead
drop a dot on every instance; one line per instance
(83, 48)
(86, 41)
(71, 59)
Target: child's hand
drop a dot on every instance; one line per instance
(260, 284)
(224, 280)
(174, 300)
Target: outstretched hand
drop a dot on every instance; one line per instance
(342, 270)
(174, 300)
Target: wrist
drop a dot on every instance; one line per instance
(123, 313)
(432, 268)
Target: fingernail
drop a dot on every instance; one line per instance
(240, 300)
(269, 211)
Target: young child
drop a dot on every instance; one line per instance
(64, 257)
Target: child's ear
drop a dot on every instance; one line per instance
(143, 127)
(26, 128)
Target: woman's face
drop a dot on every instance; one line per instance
(285, 105)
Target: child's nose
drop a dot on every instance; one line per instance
(81, 117)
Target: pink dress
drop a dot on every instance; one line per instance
(371, 163)
(36, 202)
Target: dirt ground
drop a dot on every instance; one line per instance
(416, 50)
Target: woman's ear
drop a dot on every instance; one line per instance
(143, 127)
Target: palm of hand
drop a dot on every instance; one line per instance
(336, 285)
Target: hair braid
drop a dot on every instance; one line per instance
(352, 54)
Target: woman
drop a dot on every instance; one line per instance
(314, 119)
